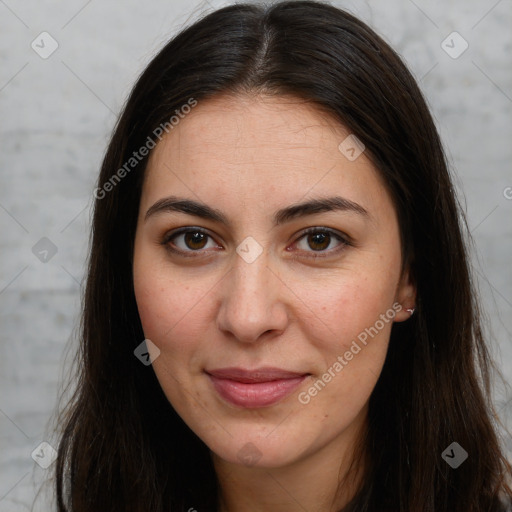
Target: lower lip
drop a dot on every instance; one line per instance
(258, 394)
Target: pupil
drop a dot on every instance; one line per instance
(320, 238)
(194, 238)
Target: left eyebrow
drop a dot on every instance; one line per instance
(294, 211)
(329, 204)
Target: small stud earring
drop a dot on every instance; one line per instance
(410, 310)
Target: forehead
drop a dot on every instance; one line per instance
(239, 129)
(258, 147)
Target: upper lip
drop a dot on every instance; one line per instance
(265, 374)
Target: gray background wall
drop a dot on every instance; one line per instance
(55, 118)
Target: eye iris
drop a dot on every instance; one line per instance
(319, 238)
(195, 238)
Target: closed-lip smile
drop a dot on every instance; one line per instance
(260, 387)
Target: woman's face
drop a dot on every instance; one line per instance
(272, 317)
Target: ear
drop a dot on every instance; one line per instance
(405, 296)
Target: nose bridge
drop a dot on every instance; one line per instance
(251, 276)
(251, 304)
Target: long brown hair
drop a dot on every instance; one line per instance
(123, 447)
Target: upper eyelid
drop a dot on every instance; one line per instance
(331, 231)
(186, 229)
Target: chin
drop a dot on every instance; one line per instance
(251, 450)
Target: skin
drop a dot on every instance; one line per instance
(249, 156)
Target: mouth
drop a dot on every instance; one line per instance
(254, 388)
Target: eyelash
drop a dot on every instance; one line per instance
(344, 241)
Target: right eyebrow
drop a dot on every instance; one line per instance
(188, 206)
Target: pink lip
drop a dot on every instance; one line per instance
(254, 388)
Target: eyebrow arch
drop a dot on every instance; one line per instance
(294, 211)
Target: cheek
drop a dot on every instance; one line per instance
(173, 322)
(175, 310)
(348, 328)
(340, 309)
(166, 308)
(352, 351)
(162, 299)
(157, 310)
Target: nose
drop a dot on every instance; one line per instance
(252, 303)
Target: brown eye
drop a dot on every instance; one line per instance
(317, 240)
(195, 239)
(188, 240)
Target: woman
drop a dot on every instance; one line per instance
(279, 313)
